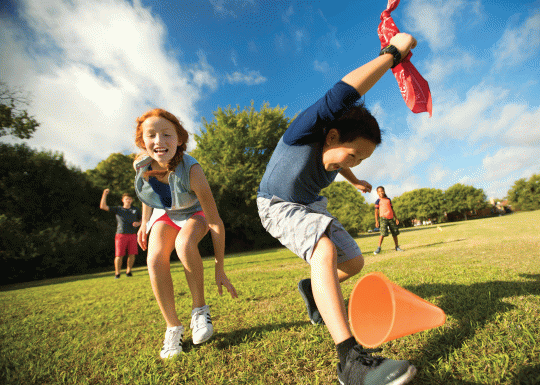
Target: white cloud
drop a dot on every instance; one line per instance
(509, 160)
(321, 66)
(230, 8)
(438, 69)
(518, 44)
(249, 78)
(91, 70)
(434, 20)
(286, 17)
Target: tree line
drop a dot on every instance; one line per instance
(51, 224)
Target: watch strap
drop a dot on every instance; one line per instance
(394, 52)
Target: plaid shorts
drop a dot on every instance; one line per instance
(299, 227)
(386, 223)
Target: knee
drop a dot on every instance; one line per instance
(352, 267)
(324, 252)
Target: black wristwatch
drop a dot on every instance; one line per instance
(395, 53)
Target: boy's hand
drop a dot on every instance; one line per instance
(363, 186)
(403, 42)
(106, 191)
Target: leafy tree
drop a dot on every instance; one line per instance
(424, 203)
(525, 194)
(462, 198)
(233, 151)
(115, 173)
(348, 205)
(14, 120)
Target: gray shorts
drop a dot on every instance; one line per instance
(299, 227)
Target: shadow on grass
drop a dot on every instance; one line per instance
(241, 336)
(472, 307)
(408, 230)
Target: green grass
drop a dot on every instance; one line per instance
(485, 274)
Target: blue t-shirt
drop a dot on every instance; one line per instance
(295, 172)
(161, 189)
(125, 219)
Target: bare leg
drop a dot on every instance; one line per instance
(381, 239)
(118, 264)
(187, 249)
(130, 263)
(395, 240)
(160, 246)
(350, 268)
(327, 291)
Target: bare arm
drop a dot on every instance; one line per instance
(365, 77)
(200, 186)
(103, 203)
(142, 237)
(361, 185)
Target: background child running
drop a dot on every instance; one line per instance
(330, 137)
(125, 240)
(179, 208)
(388, 219)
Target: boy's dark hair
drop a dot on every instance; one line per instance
(384, 191)
(357, 123)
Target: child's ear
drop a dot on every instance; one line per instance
(332, 137)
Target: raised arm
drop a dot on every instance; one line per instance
(200, 186)
(103, 203)
(365, 77)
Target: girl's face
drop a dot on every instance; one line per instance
(380, 193)
(338, 155)
(160, 139)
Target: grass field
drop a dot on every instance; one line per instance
(485, 274)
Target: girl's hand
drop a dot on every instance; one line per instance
(142, 236)
(222, 280)
(363, 186)
(403, 42)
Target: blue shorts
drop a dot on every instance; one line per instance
(299, 227)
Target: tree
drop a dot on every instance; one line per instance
(233, 150)
(525, 194)
(462, 198)
(348, 205)
(115, 173)
(423, 203)
(14, 120)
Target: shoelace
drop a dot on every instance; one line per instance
(364, 356)
(200, 318)
(173, 338)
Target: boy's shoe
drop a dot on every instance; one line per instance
(398, 249)
(361, 368)
(304, 286)
(172, 345)
(377, 251)
(201, 323)
(129, 274)
(116, 276)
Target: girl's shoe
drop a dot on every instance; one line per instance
(377, 251)
(172, 345)
(201, 323)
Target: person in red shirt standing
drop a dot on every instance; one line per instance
(388, 219)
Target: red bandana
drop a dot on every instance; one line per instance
(414, 88)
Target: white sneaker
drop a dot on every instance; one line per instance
(201, 323)
(172, 345)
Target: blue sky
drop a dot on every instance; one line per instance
(92, 67)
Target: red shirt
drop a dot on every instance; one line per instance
(385, 208)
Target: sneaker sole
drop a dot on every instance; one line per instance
(406, 377)
(308, 306)
(204, 340)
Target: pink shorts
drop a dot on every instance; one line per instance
(125, 243)
(165, 218)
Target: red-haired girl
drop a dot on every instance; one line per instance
(179, 207)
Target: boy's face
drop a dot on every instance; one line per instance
(380, 193)
(127, 200)
(338, 155)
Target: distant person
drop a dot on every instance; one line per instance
(388, 219)
(329, 138)
(179, 208)
(125, 241)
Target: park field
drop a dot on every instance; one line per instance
(93, 329)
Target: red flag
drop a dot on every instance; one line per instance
(414, 88)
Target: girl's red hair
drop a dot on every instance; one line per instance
(183, 137)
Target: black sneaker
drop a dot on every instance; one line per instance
(362, 368)
(304, 286)
(117, 276)
(129, 274)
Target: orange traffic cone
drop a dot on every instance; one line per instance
(381, 311)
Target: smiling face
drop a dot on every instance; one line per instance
(160, 139)
(338, 155)
(127, 201)
(381, 193)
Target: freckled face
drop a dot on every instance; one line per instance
(160, 139)
(338, 155)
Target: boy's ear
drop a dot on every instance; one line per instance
(332, 137)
